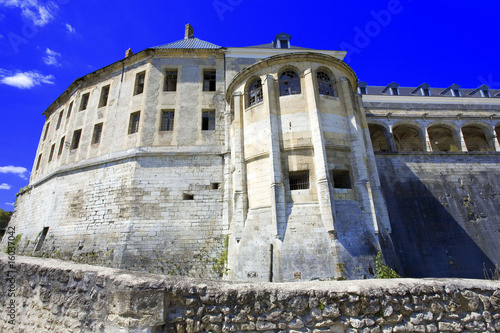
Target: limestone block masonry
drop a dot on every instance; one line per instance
(57, 296)
(263, 164)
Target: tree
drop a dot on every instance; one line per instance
(4, 218)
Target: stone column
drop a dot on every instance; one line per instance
(461, 141)
(323, 183)
(278, 205)
(358, 149)
(492, 139)
(240, 196)
(428, 144)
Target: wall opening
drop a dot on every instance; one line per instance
(378, 136)
(341, 179)
(43, 234)
(187, 196)
(214, 186)
(407, 139)
(475, 139)
(441, 139)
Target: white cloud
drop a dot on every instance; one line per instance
(70, 28)
(10, 203)
(5, 186)
(24, 80)
(38, 13)
(51, 57)
(20, 171)
(2, 36)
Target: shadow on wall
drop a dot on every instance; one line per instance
(433, 229)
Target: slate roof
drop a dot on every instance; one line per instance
(188, 43)
(271, 46)
(434, 92)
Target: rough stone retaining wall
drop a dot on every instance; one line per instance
(57, 296)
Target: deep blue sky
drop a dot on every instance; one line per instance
(45, 45)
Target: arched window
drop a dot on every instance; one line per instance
(255, 92)
(289, 83)
(325, 85)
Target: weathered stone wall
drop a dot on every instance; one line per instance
(444, 211)
(56, 296)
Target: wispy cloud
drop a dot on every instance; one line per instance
(5, 186)
(20, 171)
(10, 203)
(35, 11)
(70, 28)
(2, 36)
(51, 57)
(24, 80)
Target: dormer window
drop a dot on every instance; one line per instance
(282, 41)
(455, 92)
(485, 93)
(426, 92)
(482, 91)
(392, 89)
(362, 89)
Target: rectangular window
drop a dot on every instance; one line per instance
(103, 101)
(167, 121)
(38, 162)
(96, 137)
(170, 80)
(394, 91)
(284, 43)
(362, 90)
(426, 92)
(69, 110)
(485, 93)
(59, 120)
(209, 80)
(134, 123)
(341, 179)
(76, 139)
(456, 92)
(52, 152)
(299, 180)
(46, 131)
(139, 83)
(61, 145)
(208, 121)
(84, 102)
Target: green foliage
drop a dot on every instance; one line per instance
(383, 271)
(4, 218)
(14, 243)
(321, 306)
(220, 264)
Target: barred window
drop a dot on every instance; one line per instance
(289, 83)
(46, 131)
(134, 123)
(299, 180)
(341, 179)
(139, 83)
(103, 101)
(76, 139)
(167, 121)
(325, 84)
(61, 146)
(59, 119)
(52, 152)
(208, 121)
(209, 79)
(84, 101)
(255, 92)
(170, 80)
(96, 137)
(69, 110)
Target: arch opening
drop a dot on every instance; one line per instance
(475, 139)
(441, 139)
(407, 139)
(378, 136)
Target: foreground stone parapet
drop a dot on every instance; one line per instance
(57, 296)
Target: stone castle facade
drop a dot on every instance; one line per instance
(263, 163)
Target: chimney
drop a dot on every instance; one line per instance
(128, 53)
(188, 31)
